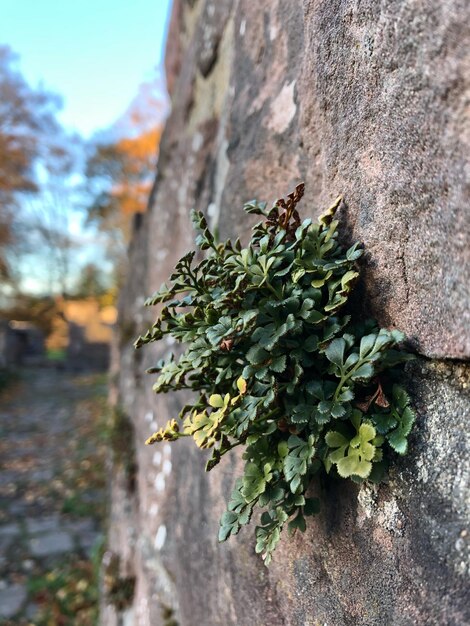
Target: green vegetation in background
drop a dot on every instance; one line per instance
(120, 434)
(56, 354)
(69, 594)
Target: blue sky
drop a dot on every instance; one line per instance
(94, 53)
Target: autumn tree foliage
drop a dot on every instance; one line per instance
(26, 119)
(27, 129)
(121, 168)
(124, 170)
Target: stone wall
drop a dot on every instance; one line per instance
(368, 99)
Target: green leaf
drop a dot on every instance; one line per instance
(298, 523)
(352, 465)
(384, 422)
(311, 343)
(241, 385)
(257, 355)
(398, 438)
(335, 351)
(216, 401)
(338, 410)
(266, 541)
(364, 372)
(367, 343)
(229, 525)
(301, 414)
(353, 457)
(254, 480)
(335, 440)
(400, 396)
(346, 395)
(366, 432)
(278, 364)
(255, 207)
(354, 253)
(297, 461)
(348, 278)
(313, 317)
(283, 449)
(398, 441)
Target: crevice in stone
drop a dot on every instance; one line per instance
(402, 259)
(449, 360)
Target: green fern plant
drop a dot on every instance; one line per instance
(279, 365)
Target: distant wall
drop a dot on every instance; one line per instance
(88, 333)
(365, 98)
(21, 343)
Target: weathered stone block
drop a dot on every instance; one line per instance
(366, 99)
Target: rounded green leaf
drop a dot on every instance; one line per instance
(366, 432)
(241, 385)
(347, 466)
(334, 439)
(216, 401)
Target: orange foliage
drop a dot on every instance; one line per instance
(128, 167)
(139, 156)
(120, 173)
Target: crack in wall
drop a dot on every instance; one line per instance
(402, 258)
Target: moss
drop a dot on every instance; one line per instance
(168, 616)
(121, 437)
(127, 330)
(118, 589)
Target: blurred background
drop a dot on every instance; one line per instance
(83, 101)
(82, 105)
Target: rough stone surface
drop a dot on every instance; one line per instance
(43, 524)
(11, 599)
(9, 530)
(52, 456)
(51, 543)
(368, 99)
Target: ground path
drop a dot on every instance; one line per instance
(52, 489)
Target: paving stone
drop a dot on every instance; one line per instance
(17, 509)
(8, 530)
(8, 477)
(51, 543)
(88, 540)
(42, 475)
(93, 496)
(11, 600)
(31, 610)
(42, 524)
(34, 534)
(5, 543)
(81, 526)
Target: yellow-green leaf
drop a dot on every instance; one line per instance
(216, 401)
(241, 384)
